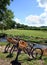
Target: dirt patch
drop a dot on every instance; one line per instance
(2, 48)
(40, 62)
(4, 62)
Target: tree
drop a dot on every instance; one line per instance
(8, 19)
(6, 16)
(3, 7)
(10, 24)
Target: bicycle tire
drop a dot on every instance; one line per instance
(41, 54)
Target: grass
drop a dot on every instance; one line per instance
(23, 59)
(28, 35)
(34, 33)
(3, 43)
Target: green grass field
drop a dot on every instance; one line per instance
(34, 33)
(28, 35)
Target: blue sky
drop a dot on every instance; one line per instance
(30, 12)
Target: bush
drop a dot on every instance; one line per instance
(2, 35)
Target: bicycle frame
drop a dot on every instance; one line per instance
(28, 50)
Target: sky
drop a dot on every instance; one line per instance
(30, 12)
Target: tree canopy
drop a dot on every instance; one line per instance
(6, 15)
(3, 7)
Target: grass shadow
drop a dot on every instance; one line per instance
(15, 62)
(18, 62)
(9, 56)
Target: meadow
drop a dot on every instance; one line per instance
(28, 35)
(34, 33)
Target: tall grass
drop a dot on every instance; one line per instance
(34, 33)
(29, 35)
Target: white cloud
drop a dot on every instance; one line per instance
(32, 18)
(35, 20)
(40, 20)
(43, 18)
(18, 20)
(43, 4)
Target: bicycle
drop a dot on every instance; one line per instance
(36, 53)
(29, 49)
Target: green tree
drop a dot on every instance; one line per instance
(6, 16)
(8, 20)
(3, 7)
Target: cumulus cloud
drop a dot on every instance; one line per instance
(32, 18)
(18, 20)
(43, 17)
(40, 20)
(43, 4)
(35, 20)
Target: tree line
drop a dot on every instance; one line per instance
(26, 27)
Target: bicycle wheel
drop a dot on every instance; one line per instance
(37, 53)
